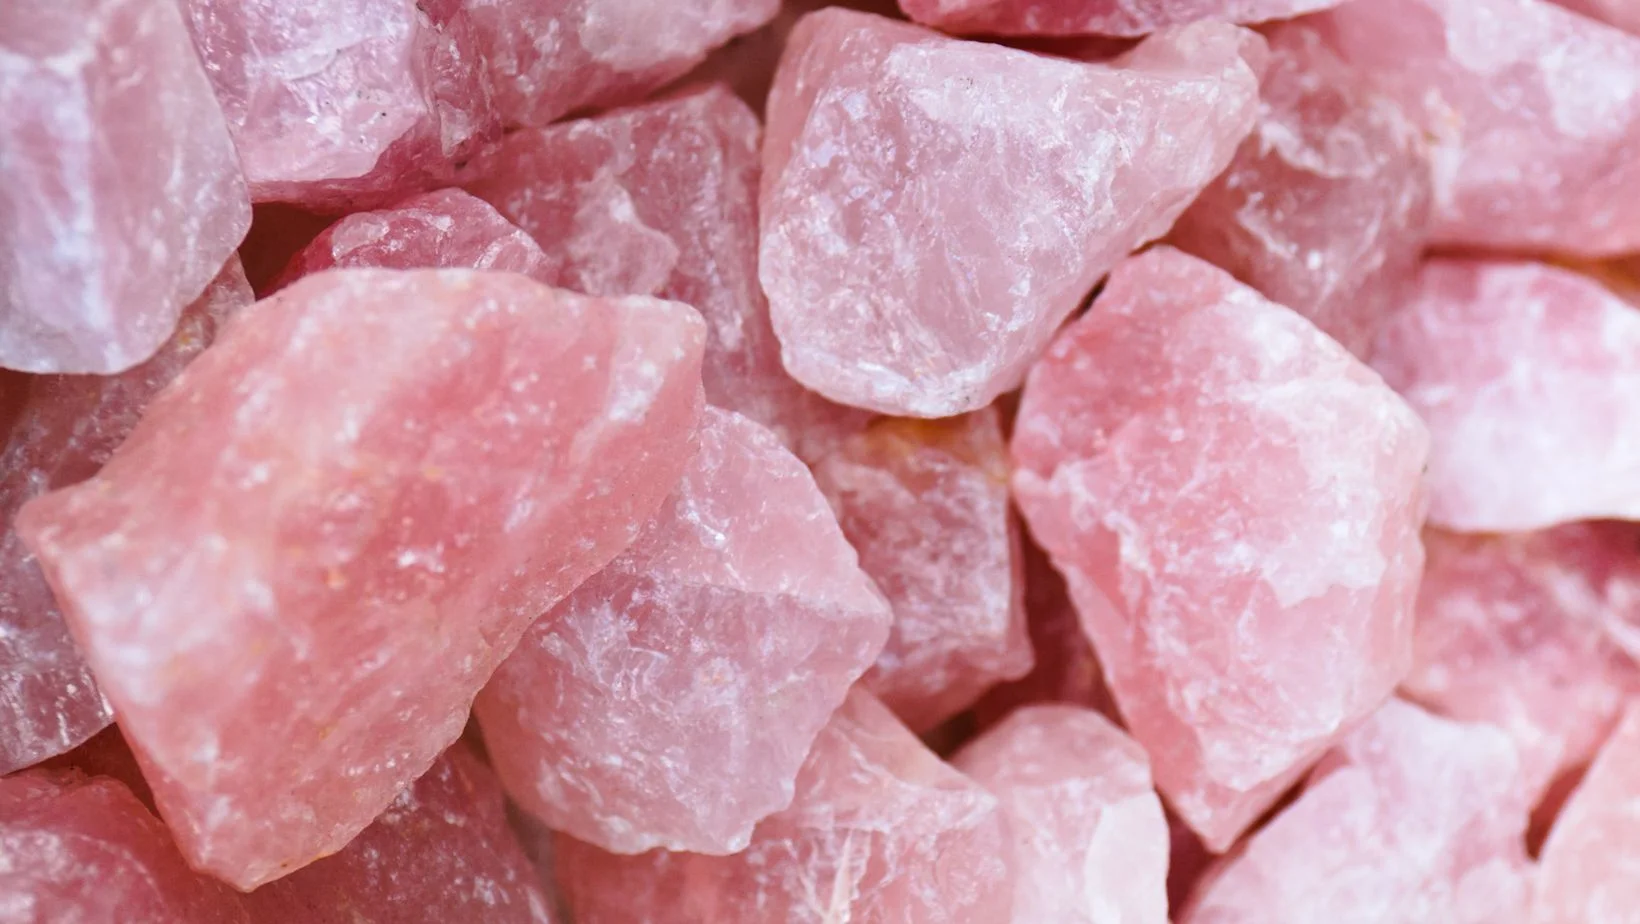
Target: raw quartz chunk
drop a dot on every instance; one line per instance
(1095, 17)
(1533, 114)
(905, 272)
(67, 427)
(100, 250)
(1235, 502)
(1090, 840)
(1412, 819)
(1624, 14)
(926, 505)
(1326, 207)
(548, 58)
(321, 540)
(880, 832)
(1587, 870)
(345, 104)
(1525, 374)
(661, 199)
(670, 700)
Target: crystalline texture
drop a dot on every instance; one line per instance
(1587, 870)
(1097, 17)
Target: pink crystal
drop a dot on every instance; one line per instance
(100, 250)
(1235, 502)
(881, 832)
(926, 505)
(707, 656)
(1090, 841)
(1526, 375)
(345, 104)
(1532, 112)
(661, 200)
(1413, 818)
(1624, 14)
(1586, 874)
(306, 559)
(1096, 17)
(68, 426)
(1327, 205)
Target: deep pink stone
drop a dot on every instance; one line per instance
(906, 273)
(300, 567)
(1235, 502)
(1587, 869)
(121, 197)
(1095, 17)
(107, 754)
(1624, 14)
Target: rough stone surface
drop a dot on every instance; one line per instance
(1586, 873)
(1095, 17)
(881, 832)
(926, 505)
(1235, 502)
(905, 272)
(1326, 207)
(67, 427)
(99, 250)
(1413, 819)
(1090, 840)
(1524, 373)
(705, 659)
(300, 567)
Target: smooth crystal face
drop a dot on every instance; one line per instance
(1584, 873)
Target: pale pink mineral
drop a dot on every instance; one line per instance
(121, 197)
(926, 505)
(1587, 871)
(1090, 840)
(1235, 501)
(670, 700)
(933, 209)
(1096, 17)
(300, 567)
(881, 832)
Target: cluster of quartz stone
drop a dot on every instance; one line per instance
(717, 462)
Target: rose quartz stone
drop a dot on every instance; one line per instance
(1586, 873)
(296, 573)
(1526, 374)
(552, 57)
(1234, 500)
(106, 754)
(1095, 17)
(880, 832)
(99, 250)
(345, 104)
(905, 272)
(926, 505)
(447, 229)
(68, 426)
(670, 700)
(1412, 819)
(1624, 14)
(1326, 207)
(661, 200)
(1533, 114)
(1090, 840)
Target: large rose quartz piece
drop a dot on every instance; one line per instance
(1234, 500)
(101, 246)
(1526, 374)
(552, 57)
(67, 428)
(1624, 14)
(1533, 114)
(670, 700)
(298, 570)
(1326, 207)
(906, 273)
(926, 505)
(1412, 819)
(1095, 17)
(345, 104)
(881, 832)
(1587, 870)
(1090, 840)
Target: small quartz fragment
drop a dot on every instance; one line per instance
(661, 200)
(926, 505)
(1587, 871)
(906, 273)
(1528, 377)
(1130, 18)
(670, 700)
(1413, 819)
(300, 567)
(67, 427)
(101, 250)
(1326, 207)
(1235, 502)
(881, 832)
(1090, 839)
